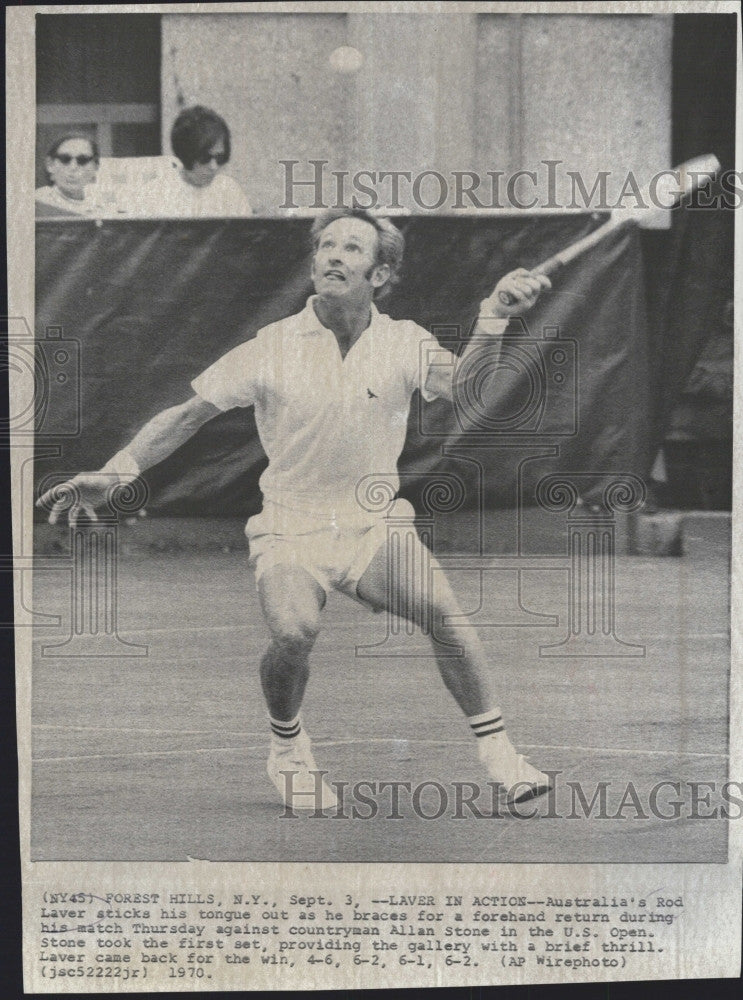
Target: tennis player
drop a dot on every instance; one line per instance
(331, 387)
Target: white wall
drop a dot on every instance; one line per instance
(435, 91)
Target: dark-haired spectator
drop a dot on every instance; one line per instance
(72, 166)
(196, 187)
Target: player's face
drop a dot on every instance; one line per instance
(65, 170)
(203, 172)
(345, 263)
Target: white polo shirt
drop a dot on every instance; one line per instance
(326, 423)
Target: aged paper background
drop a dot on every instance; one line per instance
(692, 908)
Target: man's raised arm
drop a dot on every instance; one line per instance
(159, 437)
(523, 288)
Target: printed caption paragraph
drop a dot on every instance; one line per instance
(154, 937)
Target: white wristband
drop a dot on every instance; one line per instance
(492, 326)
(123, 465)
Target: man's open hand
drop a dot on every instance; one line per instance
(81, 494)
(522, 287)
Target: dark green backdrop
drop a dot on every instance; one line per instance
(152, 303)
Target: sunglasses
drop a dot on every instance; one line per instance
(66, 159)
(220, 159)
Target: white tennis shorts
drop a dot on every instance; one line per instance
(335, 551)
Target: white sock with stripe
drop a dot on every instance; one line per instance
(487, 723)
(282, 733)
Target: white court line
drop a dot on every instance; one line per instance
(157, 732)
(538, 746)
(142, 753)
(182, 629)
(624, 750)
(346, 742)
(188, 630)
(371, 739)
(638, 636)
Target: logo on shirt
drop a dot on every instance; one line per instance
(372, 395)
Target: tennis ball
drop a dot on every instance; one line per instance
(345, 59)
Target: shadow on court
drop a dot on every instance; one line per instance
(162, 757)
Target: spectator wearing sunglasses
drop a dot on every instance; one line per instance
(72, 166)
(196, 186)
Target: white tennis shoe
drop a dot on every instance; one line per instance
(518, 779)
(299, 782)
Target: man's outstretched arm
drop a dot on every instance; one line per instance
(523, 288)
(159, 437)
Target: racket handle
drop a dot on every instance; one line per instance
(549, 267)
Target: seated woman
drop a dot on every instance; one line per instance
(195, 187)
(72, 166)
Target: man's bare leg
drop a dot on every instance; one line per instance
(291, 600)
(467, 677)
(430, 599)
